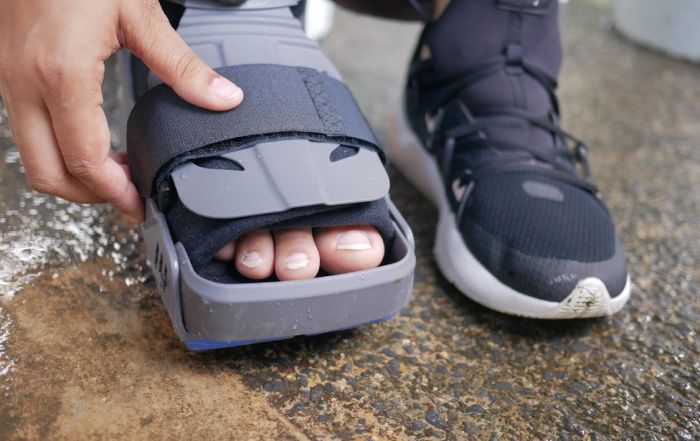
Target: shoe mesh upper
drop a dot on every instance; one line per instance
(542, 217)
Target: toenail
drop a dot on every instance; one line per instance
(353, 240)
(296, 261)
(251, 259)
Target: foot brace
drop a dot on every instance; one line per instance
(297, 152)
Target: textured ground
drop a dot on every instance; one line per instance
(87, 351)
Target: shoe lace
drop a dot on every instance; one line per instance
(567, 161)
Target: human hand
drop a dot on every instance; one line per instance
(52, 55)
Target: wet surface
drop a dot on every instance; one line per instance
(87, 351)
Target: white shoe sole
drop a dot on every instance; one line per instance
(590, 297)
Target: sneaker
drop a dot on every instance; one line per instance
(522, 229)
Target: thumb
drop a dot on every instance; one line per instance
(148, 34)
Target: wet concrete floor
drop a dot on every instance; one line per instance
(87, 350)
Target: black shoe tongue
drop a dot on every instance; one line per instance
(503, 90)
(514, 131)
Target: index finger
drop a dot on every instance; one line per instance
(83, 137)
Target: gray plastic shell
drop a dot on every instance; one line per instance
(231, 36)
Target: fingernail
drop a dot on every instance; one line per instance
(353, 240)
(251, 259)
(296, 261)
(225, 90)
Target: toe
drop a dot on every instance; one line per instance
(348, 249)
(226, 253)
(296, 256)
(255, 254)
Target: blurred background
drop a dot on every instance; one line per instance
(87, 350)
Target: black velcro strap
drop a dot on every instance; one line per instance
(281, 102)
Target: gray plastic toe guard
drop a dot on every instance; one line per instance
(209, 315)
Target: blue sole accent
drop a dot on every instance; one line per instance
(206, 345)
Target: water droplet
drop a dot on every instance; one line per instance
(294, 326)
(184, 176)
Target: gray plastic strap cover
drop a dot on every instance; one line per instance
(281, 103)
(276, 176)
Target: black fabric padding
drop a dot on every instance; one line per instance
(281, 102)
(203, 237)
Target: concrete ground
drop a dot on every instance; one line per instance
(87, 350)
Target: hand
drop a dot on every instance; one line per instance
(52, 55)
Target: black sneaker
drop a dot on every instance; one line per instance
(522, 229)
